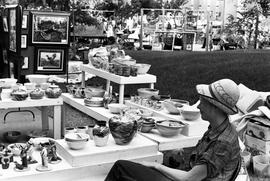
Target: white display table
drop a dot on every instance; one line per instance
(121, 80)
(43, 103)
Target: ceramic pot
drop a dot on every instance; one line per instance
(101, 133)
(122, 129)
(37, 94)
(53, 91)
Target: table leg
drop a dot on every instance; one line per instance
(152, 85)
(63, 122)
(44, 118)
(57, 122)
(83, 78)
(121, 93)
(108, 85)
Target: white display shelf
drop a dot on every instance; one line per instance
(99, 113)
(121, 80)
(194, 128)
(43, 103)
(170, 143)
(140, 146)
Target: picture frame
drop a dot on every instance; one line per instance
(5, 24)
(50, 28)
(25, 21)
(12, 26)
(50, 60)
(23, 41)
(25, 63)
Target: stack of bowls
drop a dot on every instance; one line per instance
(147, 125)
(76, 141)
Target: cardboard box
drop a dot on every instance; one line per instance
(259, 127)
(258, 144)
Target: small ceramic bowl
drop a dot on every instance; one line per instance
(172, 105)
(12, 136)
(147, 92)
(169, 128)
(190, 113)
(116, 108)
(142, 68)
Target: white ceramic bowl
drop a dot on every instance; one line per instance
(37, 78)
(76, 145)
(172, 105)
(7, 82)
(261, 166)
(142, 68)
(116, 108)
(76, 137)
(189, 112)
(147, 92)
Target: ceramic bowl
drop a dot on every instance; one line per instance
(169, 128)
(78, 145)
(7, 82)
(147, 92)
(37, 78)
(142, 68)
(116, 108)
(94, 101)
(147, 127)
(19, 95)
(76, 137)
(190, 113)
(145, 113)
(172, 105)
(12, 136)
(93, 92)
(15, 148)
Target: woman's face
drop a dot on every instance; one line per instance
(205, 108)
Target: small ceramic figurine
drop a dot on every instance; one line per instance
(6, 158)
(52, 155)
(24, 163)
(44, 160)
(30, 150)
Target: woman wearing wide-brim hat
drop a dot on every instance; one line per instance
(216, 157)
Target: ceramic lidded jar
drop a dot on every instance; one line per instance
(101, 133)
(53, 91)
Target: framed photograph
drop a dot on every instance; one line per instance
(25, 63)
(50, 60)
(23, 41)
(5, 24)
(12, 30)
(24, 21)
(50, 28)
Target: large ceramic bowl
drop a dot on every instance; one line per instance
(19, 95)
(116, 108)
(172, 105)
(122, 130)
(169, 128)
(190, 113)
(147, 92)
(76, 141)
(12, 136)
(142, 68)
(93, 92)
(37, 78)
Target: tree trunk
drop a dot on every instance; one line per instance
(256, 31)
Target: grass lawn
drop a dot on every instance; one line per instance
(178, 72)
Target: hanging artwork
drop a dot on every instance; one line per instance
(12, 30)
(50, 60)
(50, 28)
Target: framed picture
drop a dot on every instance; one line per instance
(50, 60)
(24, 21)
(23, 41)
(50, 28)
(5, 24)
(12, 30)
(25, 63)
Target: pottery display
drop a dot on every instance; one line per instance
(37, 94)
(101, 133)
(122, 129)
(53, 91)
(19, 95)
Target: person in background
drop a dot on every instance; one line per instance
(216, 156)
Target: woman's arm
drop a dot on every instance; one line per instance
(197, 173)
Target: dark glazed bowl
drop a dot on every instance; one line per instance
(12, 136)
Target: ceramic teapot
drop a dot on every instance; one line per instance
(53, 91)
